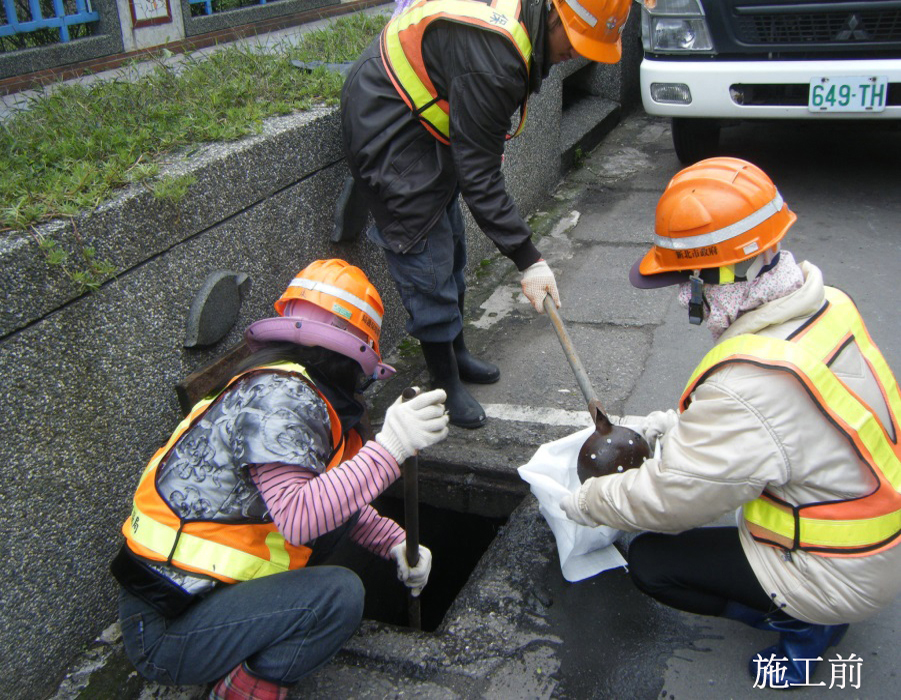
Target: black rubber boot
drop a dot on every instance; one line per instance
(471, 368)
(464, 411)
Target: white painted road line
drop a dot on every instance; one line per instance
(533, 414)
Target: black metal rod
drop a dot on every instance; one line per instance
(411, 522)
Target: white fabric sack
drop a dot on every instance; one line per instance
(551, 474)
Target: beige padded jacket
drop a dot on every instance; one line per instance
(749, 428)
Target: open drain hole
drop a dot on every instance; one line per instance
(457, 542)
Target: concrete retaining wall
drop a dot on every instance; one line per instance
(88, 396)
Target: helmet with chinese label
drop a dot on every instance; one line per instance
(717, 215)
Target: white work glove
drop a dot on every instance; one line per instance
(537, 281)
(412, 425)
(651, 426)
(571, 505)
(417, 577)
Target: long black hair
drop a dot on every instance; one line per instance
(336, 369)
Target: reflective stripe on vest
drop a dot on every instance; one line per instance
(402, 52)
(851, 527)
(229, 552)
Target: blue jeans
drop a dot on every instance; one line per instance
(284, 626)
(429, 277)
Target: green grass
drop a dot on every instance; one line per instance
(173, 189)
(76, 144)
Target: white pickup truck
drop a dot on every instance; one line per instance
(710, 62)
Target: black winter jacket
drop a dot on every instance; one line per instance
(406, 174)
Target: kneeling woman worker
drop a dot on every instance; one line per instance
(218, 572)
(792, 418)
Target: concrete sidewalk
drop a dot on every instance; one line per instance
(517, 629)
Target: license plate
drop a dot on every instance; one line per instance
(848, 94)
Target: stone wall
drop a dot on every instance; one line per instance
(88, 395)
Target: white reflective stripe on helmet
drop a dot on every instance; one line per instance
(582, 13)
(724, 234)
(342, 294)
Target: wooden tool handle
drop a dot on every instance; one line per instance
(570, 351)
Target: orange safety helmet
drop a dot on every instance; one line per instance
(341, 289)
(595, 27)
(713, 214)
(329, 304)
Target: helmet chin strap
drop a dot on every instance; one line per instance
(316, 334)
(744, 271)
(696, 302)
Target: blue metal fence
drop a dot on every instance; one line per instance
(208, 5)
(61, 19)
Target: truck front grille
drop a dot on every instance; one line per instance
(757, 26)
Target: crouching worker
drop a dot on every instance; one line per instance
(792, 418)
(218, 572)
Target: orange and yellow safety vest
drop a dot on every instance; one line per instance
(840, 527)
(401, 42)
(228, 552)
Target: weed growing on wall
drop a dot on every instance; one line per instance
(173, 189)
(85, 271)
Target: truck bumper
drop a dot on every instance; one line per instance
(711, 84)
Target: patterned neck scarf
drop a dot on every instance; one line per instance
(728, 301)
(401, 6)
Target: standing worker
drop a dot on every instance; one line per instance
(219, 576)
(792, 418)
(425, 112)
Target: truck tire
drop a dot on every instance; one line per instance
(695, 139)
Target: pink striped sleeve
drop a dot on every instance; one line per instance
(377, 533)
(304, 505)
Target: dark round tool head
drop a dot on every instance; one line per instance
(610, 449)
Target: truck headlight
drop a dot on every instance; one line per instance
(674, 26)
